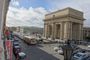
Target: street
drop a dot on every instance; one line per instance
(40, 51)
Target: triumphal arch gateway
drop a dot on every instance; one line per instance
(64, 24)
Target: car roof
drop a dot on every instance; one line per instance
(21, 53)
(81, 53)
(17, 46)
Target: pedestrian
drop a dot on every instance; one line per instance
(11, 35)
(7, 34)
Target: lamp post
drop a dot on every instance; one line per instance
(67, 51)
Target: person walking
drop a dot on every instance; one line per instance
(11, 35)
(7, 34)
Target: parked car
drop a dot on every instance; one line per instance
(75, 46)
(60, 51)
(21, 55)
(16, 47)
(39, 39)
(15, 40)
(88, 46)
(56, 49)
(79, 56)
(16, 43)
(78, 50)
(33, 41)
(30, 40)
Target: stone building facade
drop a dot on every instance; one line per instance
(86, 32)
(64, 24)
(3, 11)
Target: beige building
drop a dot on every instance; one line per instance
(20, 30)
(64, 24)
(3, 11)
(86, 32)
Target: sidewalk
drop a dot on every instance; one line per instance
(2, 57)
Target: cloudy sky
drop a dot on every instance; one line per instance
(31, 12)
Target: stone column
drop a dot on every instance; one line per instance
(44, 33)
(68, 30)
(45, 30)
(81, 32)
(47, 34)
(61, 30)
(53, 30)
(48, 31)
(65, 31)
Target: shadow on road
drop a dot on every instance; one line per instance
(38, 54)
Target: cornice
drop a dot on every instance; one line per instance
(65, 16)
(68, 8)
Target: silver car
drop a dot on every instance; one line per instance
(80, 56)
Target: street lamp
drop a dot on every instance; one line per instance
(67, 51)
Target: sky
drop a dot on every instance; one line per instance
(32, 12)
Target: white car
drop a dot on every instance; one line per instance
(60, 51)
(88, 46)
(79, 56)
(21, 55)
(56, 49)
(16, 47)
(33, 41)
(44, 38)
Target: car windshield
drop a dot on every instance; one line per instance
(80, 55)
(17, 46)
(15, 41)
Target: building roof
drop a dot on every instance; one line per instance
(67, 12)
(86, 28)
(68, 8)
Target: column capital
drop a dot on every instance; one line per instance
(45, 23)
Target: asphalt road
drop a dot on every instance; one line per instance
(40, 52)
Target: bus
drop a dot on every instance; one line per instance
(30, 39)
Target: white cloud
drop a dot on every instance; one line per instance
(14, 2)
(34, 16)
(26, 17)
